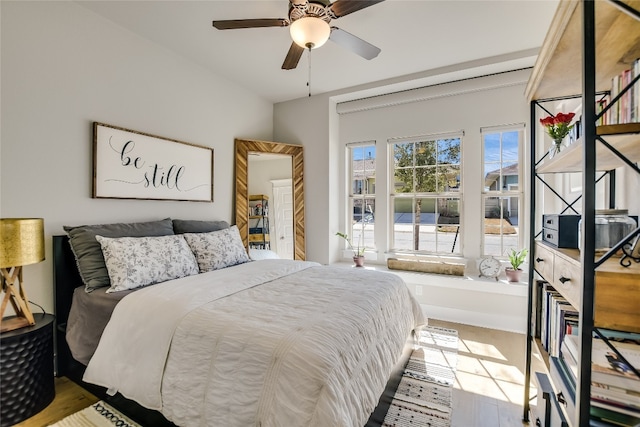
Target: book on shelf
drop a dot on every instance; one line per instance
(550, 299)
(620, 336)
(617, 394)
(627, 108)
(570, 360)
(554, 301)
(572, 345)
(607, 383)
(608, 368)
(557, 318)
(609, 417)
(565, 313)
(635, 93)
(572, 326)
(536, 321)
(569, 370)
(601, 104)
(614, 405)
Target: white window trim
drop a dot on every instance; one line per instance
(346, 252)
(521, 127)
(391, 183)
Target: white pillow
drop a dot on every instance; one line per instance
(218, 249)
(133, 262)
(258, 254)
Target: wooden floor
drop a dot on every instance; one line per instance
(488, 390)
(70, 398)
(489, 385)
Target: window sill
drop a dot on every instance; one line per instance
(469, 283)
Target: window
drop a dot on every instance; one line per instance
(362, 193)
(425, 194)
(502, 195)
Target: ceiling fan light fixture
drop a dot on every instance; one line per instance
(310, 32)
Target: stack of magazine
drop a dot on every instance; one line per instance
(615, 388)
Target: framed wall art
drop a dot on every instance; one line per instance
(133, 165)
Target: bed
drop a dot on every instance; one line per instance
(269, 342)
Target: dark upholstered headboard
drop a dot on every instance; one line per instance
(65, 279)
(65, 276)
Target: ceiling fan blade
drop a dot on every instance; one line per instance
(345, 7)
(232, 24)
(293, 57)
(353, 43)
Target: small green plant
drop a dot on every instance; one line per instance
(516, 258)
(357, 252)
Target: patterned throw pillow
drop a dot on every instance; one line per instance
(88, 253)
(133, 262)
(218, 249)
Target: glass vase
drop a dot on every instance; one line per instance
(555, 148)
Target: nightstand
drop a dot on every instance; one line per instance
(26, 370)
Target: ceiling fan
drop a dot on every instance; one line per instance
(309, 27)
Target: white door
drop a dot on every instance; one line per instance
(282, 214)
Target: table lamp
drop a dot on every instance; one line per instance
(21, 243)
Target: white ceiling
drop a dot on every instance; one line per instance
(415, 36)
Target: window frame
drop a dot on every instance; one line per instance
(351, 196)
(507, 193)
(414, 195)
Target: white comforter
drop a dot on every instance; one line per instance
(267, 343)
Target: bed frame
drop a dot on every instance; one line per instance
(67, 279)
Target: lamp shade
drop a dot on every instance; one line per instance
(310, 32)
(21, 241)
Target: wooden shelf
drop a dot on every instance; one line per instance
(259, 238)
(558, 70)
(624, 138)
(543, 353)
(617, 292)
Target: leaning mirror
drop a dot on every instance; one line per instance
(270, 205)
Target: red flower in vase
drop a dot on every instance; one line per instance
(558, 126)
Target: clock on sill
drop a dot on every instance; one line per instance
(490, 268)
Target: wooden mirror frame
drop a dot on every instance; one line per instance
(242, 149)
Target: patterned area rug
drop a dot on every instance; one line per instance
(97, 415)
(424, 395)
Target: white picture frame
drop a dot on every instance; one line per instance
(134, 165)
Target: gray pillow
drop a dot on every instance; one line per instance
(181, 226)
(88, 252)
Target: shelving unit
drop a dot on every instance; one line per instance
(605, 294)
(622, 137)
(259, 222)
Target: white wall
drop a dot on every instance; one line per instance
(262, 172)
(64, 67)
(306, 121)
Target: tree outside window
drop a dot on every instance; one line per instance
(426, 195)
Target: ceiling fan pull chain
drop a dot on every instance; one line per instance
(309, 80)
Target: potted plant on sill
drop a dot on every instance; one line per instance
(358, 254)
(516, 258)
